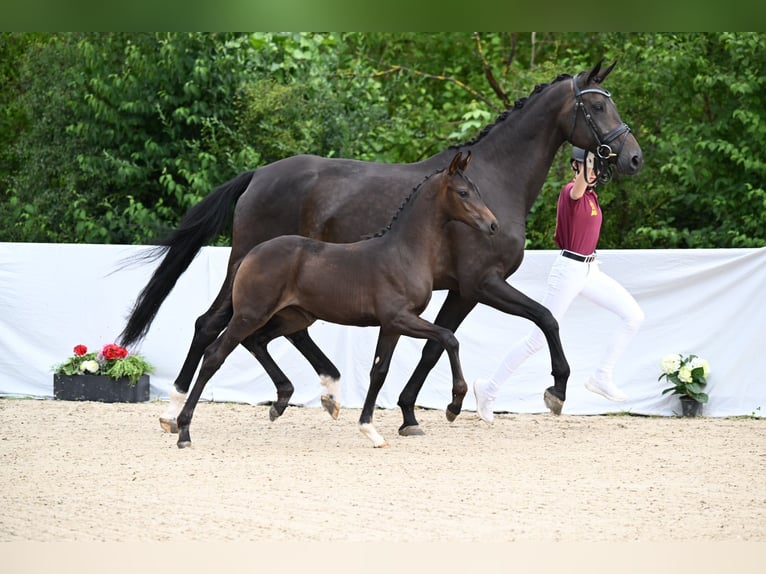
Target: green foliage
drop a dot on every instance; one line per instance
(132, 367)
(111, 137)
(699, 114)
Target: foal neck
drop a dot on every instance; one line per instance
(420, 222)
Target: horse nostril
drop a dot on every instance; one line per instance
(493, 226)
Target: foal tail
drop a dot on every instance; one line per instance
(201, 223)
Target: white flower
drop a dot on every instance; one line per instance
(89, 366)
(670, 363)
(697, 362)
(685, 374)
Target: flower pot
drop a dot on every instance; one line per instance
(689, 406)
(100, 388)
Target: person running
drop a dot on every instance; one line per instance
(575, 271)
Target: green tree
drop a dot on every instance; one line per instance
(111, 137)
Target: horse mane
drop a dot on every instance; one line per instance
(518, 104)
(404, 204)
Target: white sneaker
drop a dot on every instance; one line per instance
(606, 389)
(483, 401)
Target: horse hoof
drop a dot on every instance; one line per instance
(331, 406)
(184, 443)
(412, 430)
(169, 425)
(451, 415)
(553, 403)
(275, 413)
(368, 430)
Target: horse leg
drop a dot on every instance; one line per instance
(414, 326)
(206, 328)
(497, 293)
(384, 350)
(329, 376)
(454, 310)
(256, 344)
(214, 357)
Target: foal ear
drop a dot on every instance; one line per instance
(455, 164)
(466, 161)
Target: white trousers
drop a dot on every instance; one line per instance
(568, 279)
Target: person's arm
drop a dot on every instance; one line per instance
(578, 189)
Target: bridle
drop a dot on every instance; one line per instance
(604, 153)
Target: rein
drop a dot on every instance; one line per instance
(604, 153)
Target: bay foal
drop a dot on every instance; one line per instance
(285, 284)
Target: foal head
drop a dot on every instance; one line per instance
(460, 199)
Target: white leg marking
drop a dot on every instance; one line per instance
(175, 404)
(369, 431)
(332, 386)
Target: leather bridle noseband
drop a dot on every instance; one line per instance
(604, 153)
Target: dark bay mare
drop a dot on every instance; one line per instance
(285, 284)
(341, 201)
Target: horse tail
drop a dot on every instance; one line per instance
(200, 224)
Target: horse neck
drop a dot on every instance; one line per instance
(515, 155)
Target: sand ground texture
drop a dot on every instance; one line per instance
(81, 471)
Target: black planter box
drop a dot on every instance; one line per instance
(100, 388)
(690, 407)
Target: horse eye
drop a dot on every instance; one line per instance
(598, 107)
(462, 193)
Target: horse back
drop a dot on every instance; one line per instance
(331, 199)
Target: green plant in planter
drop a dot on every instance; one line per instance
(687, 375)
(112, 360)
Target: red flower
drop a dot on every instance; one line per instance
(112, 352)
(80, 350)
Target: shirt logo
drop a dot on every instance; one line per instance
(593, 209)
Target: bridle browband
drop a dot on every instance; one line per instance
(604, 153)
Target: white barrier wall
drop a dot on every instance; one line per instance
(708, 302)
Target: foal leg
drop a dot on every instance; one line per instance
(207, 327)
(293, 324)
(329, 376)
(384, 350)
(256, 344)
(214, 357)
(454, 310)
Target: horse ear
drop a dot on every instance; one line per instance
(606, 72)
(466, 161)
(455, 164)
(593, 75)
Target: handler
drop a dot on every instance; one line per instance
(574, 272)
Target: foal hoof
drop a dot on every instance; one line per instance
(412, 430)
(553, 403)
(331, 406)
(169, 425)
(184, 443)
(274, 414)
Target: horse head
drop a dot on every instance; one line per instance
(462, 199)
(597, 127)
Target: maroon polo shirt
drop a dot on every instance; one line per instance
(578, 221)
